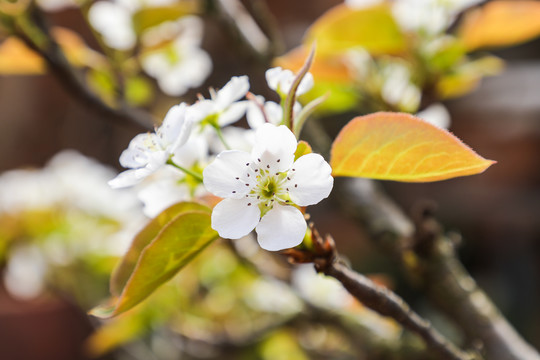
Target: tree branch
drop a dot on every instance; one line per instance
(447, 282)
(72, 79)
(389, 304)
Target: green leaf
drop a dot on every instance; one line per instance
(138, 91)
(124, 270)
(173, 248)
(151, 16)
(302, 149)
(342, 28)
(102, 82)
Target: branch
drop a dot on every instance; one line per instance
(73, 81)
(447, 282)
(377, 298)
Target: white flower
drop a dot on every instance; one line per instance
(147, 152)
(273, 112)
(113, 22)
(262, 189)
(281, 81)
(436, 114)
(223, 108)
(362, 4)
(182, 64)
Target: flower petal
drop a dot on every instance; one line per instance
(129, 178)
(233, 113)
(234, 218)
(274, 147)
(226, 176)
(311, 181)
(234, 90)
(283, 227)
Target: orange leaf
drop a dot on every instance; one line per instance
(342, 28)
(401, 147)
(501, 23)
(324, 68)
(17, 59)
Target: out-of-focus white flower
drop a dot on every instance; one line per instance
(436, 114)
(57, 5)
(431, 16)
(113, 22)
(281, 80)
(320, 290)
(397, 88)
(362, 4)
(360, 62)
(182, 64)
(25, 272)
(148, 152)
(273, 296)
(262, 189)
(223, 108)
(69, 179)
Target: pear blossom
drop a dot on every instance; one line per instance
(260, 112)
(182, 64)
(113, 21)
(223, 107)
(436, 114)
(262, 190)
(281, 80)
(148, 152)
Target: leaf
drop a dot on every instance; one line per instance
(17, 59)
(138, 91)
(401, 147)
(302, 149)
(501, 23)
(466, 77)
(173, 248)
(343, 28)
(148, 17)
(123, 271)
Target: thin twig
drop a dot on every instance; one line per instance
(72, 80)
(387, 303)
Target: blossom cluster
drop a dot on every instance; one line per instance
(196, 153)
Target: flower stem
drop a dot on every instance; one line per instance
(221, 138)
(187, 171)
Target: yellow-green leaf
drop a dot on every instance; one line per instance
(123, 271)
(501, 23)
(173, 248)
(148, 17)
(302, 149)
(401, 147)
(342, 28)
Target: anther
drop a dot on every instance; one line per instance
(278, 160)
(288, 178)
(247, 184)
(259, 160)
(247, 164)
(234, 192)
(249, 204)
(268, 166)
(295, 185)
(237, 178)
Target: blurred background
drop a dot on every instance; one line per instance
(58, 247)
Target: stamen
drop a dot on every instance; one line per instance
(295, 185)
(268, 166)
(247, 164)
(247, 184)
(288, 178)
(237, 178)
(278, 160)
(249, 204)
(259, 160)
(234, 192)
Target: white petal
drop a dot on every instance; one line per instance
(305, 85)
(174, 130)
(311, 181)
(274, 112)
(220, 177)
(234, 90)
(200, 110)
(233, 113)
(283, 227)
(129, 178)
(275, 147)
(254, 114)
(234, 218)
(437, 115)
(193, 151)
(273, 76)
